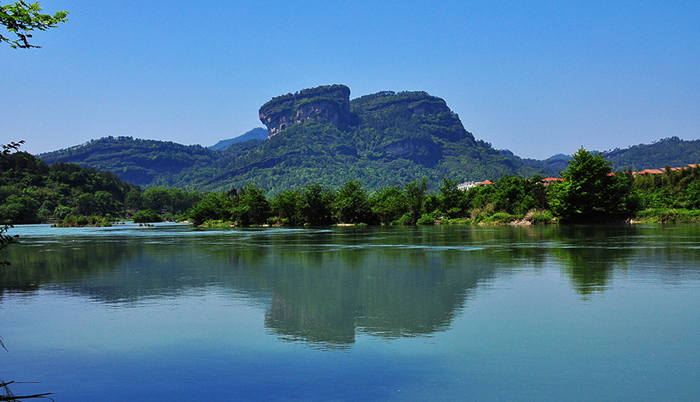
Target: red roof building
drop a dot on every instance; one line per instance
(649, 171)
(549, 180)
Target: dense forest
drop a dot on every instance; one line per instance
(589, 191)
(666, 152)
(66, 194)
(32, 191)
(315, 152)
(143, 162)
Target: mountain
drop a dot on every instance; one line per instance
(320, 135)
(671, 151)
(317, 135)
(330, 102)
(258, 133)
(142, 162)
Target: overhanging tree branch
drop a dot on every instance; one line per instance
(22, 18)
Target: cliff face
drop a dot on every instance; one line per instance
(331, 102)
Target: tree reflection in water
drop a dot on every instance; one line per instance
(323, 286)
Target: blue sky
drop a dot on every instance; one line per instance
(538, 79)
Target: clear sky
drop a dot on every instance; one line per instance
(538, 78)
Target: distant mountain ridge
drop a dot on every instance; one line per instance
(559, 156)
(257, 133)
(672, 151)
(387, 138)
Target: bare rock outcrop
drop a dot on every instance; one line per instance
(331, 102)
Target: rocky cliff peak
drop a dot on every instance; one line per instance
(331, 102)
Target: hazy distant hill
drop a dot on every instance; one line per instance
(558, 157)
(672, 151)
(258, 133)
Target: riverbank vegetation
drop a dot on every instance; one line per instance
(72, 221)
(411, 204)
(68, 195)
(588, 191)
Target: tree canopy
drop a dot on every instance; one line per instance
(21, 19)
(589, 187)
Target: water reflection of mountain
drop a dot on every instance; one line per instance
(324, 286)
(374, 293)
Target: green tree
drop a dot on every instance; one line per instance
(286, 206)
(480, 197)
(157, 199)
(415, 197)
(692, 194)
(181, 200)
(21, 19)
(20, 209)
(99, 203)
(147, 216)
(134, 200)
(247, 206)
(453, 201)
(516, 195)
(589, 187)
(509, 193)
(214, 206)
(389, 204)
(252, 207)
(317, 204)
(352, 204)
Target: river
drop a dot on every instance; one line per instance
(175, 313)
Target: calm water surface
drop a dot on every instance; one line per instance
(174, 313)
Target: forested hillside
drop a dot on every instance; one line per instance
(388, 139)
(33, 192)
(589, 191)
(385, 139)
(142, 162)
(392, 138)
(672, 151)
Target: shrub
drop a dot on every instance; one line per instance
(427, 219)
(77, 221)
(69, 221)
(147, 216)
(480, 214)
(536, 216)
(406, 219)
(500, 218)
(668, 215)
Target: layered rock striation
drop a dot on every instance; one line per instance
(331, 102)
